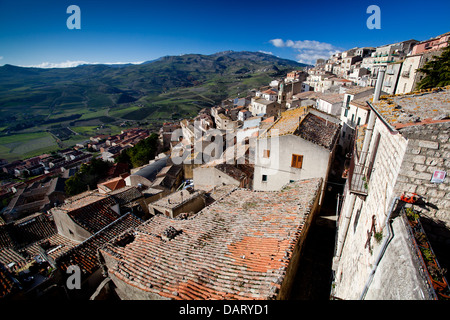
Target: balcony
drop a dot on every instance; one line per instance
(357, 179)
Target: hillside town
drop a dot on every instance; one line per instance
(225, 208)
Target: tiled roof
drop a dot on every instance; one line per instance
(360, 103)
(5, 237)
(126, 195)
(81, 200)
(319, 131)
(84, 255)
(332, 98)
(10, 256)
(358, 89)
(415, 107)
(114, 184)
(236, 248)
(90, 210)
(6, 282)
(261, 100)
(54, 246)
(26, 231)
(96, 215)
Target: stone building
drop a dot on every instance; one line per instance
(244, 246)
(404, 144)
(85, 256)
(214, 174)
(172, 205)
(85, 214)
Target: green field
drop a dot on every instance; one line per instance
(25, 145)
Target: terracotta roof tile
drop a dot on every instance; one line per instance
(237, 248)
(319, 131)
(84, 255)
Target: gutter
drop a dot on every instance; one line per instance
(383, 249)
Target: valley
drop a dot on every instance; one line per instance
(47, 109)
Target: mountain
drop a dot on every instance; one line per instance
(165, 88)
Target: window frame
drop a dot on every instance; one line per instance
(297, 159)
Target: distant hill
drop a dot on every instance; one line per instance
(170, 87)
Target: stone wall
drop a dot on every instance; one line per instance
(363, 216)
(429, 150)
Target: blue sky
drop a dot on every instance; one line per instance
(34, 33)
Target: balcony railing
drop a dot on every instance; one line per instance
(357, 178)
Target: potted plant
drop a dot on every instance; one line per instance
(421, 239)
(412, 216)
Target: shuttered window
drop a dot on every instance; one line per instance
(297, 161)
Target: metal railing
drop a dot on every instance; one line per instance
(357, 181)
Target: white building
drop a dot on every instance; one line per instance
(330, 103)
(244, 114)
(297, 146)
(261, 106)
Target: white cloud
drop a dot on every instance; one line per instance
(1, 57)
(277, 42)
(266, 52)
(71, 64)
(308, 51)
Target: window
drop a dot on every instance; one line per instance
(264, 178)
(345, 112)
(266, 153)
(297, 161)
(359, 121)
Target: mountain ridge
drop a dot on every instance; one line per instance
(169, 87)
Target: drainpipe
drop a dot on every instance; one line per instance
(347, 217)
(386, 241)
(372, 117)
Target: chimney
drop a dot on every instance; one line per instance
(379, 85)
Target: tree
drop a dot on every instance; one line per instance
(437, 71)
(144, 151)
(88, 176)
